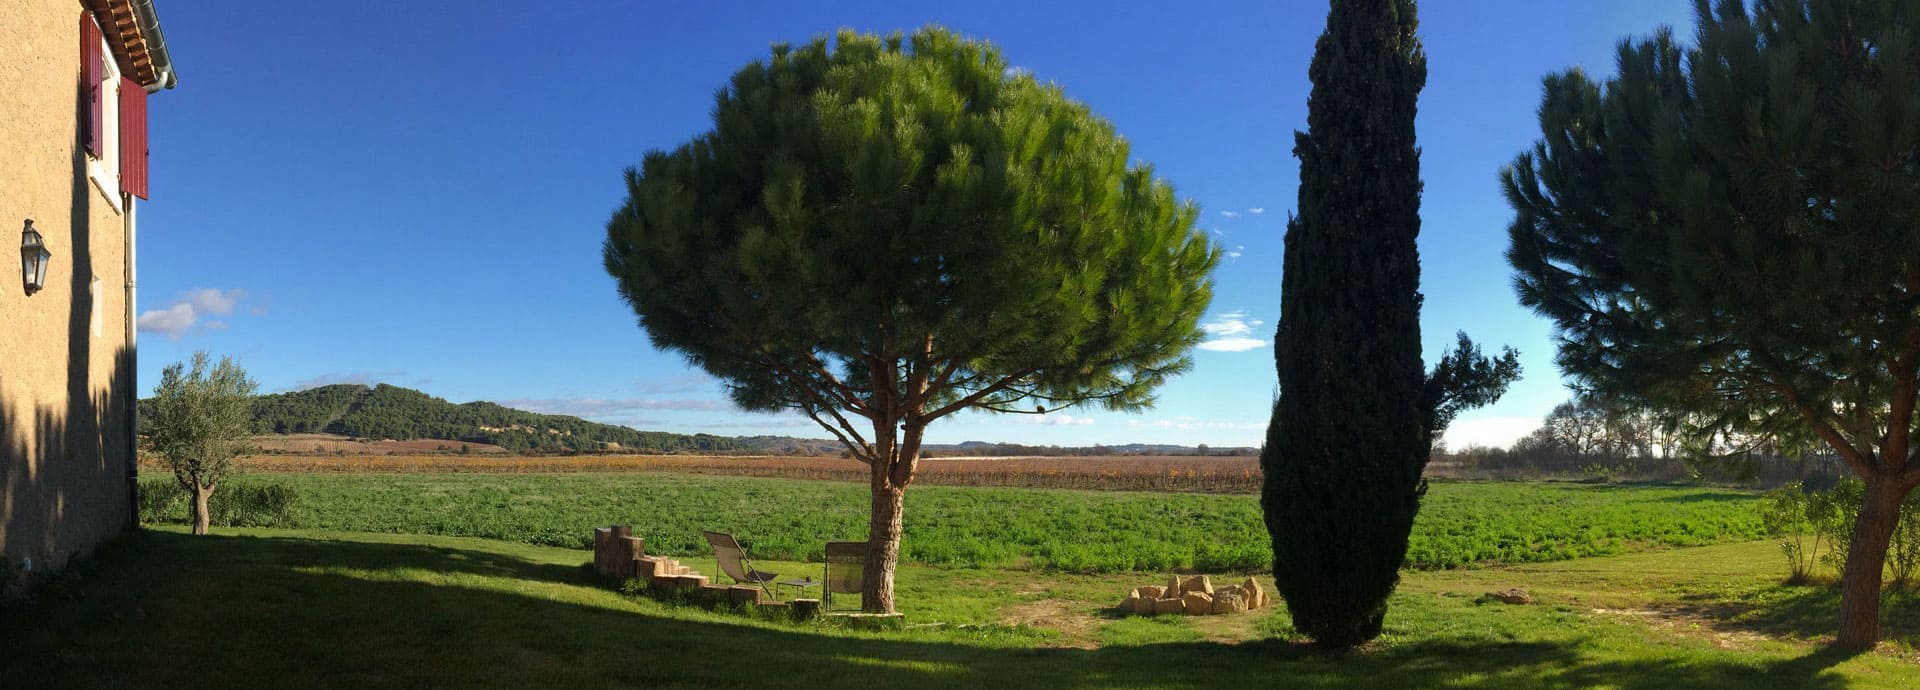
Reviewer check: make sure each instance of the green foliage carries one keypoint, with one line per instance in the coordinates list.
(1805, 519)
(393, 412)
(908, 209)
(241, 502)
(200, 419)
(1728, 230)
(1357, 413)
(1465, 524)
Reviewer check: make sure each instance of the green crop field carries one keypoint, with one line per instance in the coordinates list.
(1079, 531)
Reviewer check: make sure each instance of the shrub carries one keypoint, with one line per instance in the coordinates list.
(1816, 529)
(238, 503)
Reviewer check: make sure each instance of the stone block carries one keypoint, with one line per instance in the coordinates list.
(806, 609)
(1152, 591)
(1198, 603)
(1165, 606)
(745, 594)
(1197, 583)
(1172, 589)
(1256, 596)
(1229, 602)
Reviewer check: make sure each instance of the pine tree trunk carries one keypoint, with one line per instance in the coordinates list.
(1866, 558)
(200, 515)
(883, 547)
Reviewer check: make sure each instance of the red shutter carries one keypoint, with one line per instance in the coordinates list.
(133, 138)
(93, 71)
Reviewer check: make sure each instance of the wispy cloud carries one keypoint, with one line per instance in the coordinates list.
(1231, 332)
(1053, 420)
(1256, 210)
(687, 383)
(1237, 251)
(1230, 214)
(1191, 424)
(605, 408)
(179, 317)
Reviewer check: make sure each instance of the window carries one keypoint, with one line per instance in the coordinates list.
(101, 87)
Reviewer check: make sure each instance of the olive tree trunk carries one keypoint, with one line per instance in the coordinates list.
(200, 515)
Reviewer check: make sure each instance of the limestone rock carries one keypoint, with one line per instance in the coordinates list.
(1197, 583)
(1198, 603)
(1173, 587)
(1256, 597)
(1132, 603)
(1152, 591)
(1511, 596)
(1229, 602)
(1161, 606)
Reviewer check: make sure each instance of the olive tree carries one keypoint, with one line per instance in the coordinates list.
(882, 232)
(200, 418)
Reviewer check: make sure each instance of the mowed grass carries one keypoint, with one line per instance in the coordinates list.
(318, 609)
(1463, 523)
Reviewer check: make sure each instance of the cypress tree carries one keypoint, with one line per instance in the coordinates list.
(1356, 414)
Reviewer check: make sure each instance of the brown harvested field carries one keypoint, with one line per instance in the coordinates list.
(338, 445)
(1110, 473)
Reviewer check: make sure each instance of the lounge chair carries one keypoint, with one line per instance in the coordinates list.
(846, 568)
(735, 564)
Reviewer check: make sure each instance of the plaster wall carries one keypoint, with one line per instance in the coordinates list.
(66, 368)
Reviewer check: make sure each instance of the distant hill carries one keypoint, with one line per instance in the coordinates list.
(401, 414)
(393, 413)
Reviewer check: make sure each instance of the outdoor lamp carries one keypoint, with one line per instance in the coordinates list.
(34, 258)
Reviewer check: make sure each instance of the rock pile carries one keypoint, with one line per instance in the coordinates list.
(1196, 596)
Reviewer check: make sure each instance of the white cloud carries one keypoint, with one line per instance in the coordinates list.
(176, 319)
(1256, 210)
(212, 301)
(1238, 251)
(1232, 344)
(1230, 214)
(173, 321)
(1054, 420)
(1490, 432)
(1231, 332)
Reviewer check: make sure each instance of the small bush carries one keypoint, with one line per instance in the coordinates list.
(1815, 528)
(238, 502)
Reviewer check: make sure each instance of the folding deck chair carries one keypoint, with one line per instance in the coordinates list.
(735, 564)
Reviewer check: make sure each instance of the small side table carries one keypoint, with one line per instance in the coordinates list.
(801, 584)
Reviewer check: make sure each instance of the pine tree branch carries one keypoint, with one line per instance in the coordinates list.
(963, 403)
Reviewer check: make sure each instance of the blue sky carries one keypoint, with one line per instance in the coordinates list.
(417, 195)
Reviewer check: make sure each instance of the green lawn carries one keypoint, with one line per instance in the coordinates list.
(309, 608)
(1462, 523)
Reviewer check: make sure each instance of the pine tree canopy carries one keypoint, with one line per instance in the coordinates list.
(886, 231)
(895, 209)
(1732, 230)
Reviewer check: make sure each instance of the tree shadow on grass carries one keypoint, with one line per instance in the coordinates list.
(1804, 611)
(169, 610)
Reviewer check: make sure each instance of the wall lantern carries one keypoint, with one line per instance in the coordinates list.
(34, 258)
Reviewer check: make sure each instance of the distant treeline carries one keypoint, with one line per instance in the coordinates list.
(1592, 439)
(400, 414)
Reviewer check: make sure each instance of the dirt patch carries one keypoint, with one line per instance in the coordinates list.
(1723, 634)
(1078, 628)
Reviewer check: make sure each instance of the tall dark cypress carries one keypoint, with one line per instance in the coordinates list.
(1349, 436)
